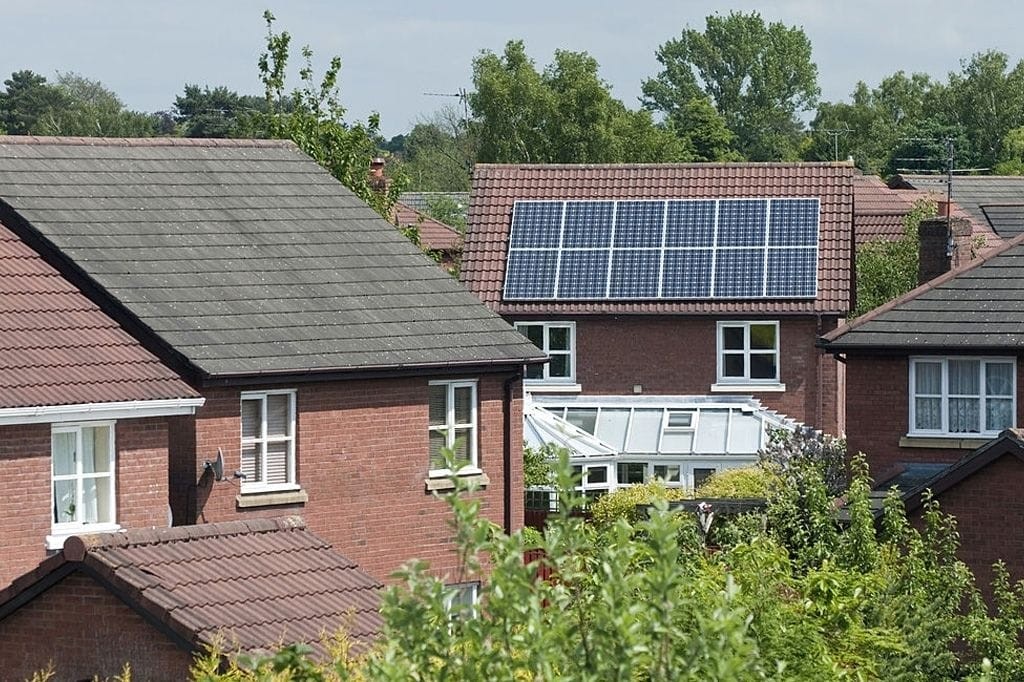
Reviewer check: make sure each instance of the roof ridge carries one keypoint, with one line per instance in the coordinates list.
(144, 141)
(76, 547)
(917, 291)
(691, 164)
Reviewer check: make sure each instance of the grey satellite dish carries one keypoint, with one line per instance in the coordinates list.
(217, 466)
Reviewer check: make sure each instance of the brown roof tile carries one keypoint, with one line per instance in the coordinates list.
(434, 234)
(58, 348)
(497, 187)
(257, 583)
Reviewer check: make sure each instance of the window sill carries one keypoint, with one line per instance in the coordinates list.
(444, 482)
(271, 498)
(548, 387)
(748, 388)
(944, 442)
(55, 541)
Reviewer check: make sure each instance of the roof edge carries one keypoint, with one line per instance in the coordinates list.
(828, 340)
(145, 141)
(695, 164)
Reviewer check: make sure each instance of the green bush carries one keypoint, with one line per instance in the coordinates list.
(622, 504)
(744, 482)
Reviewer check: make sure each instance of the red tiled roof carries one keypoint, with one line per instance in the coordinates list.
(434, 235)
(497, 187)
(257, 583)
(58, 348)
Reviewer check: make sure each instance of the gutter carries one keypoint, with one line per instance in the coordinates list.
(128, 409)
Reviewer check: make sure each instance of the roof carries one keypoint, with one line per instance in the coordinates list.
(879, 211)
(242, 258)
(434, 235)
(422, 201)
(59, 348)
(976, 307)
(259, 582)
(993, 200)
(497, 187)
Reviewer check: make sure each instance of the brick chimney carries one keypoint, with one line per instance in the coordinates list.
(377, 180)
(943, 245)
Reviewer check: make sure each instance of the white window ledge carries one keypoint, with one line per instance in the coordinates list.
(951, 442)
(748, 388)
(444, 481)
(547, 387)
(56, 540)
(270, 498)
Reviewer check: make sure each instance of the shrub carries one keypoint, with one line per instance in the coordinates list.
(623, 503)
(744, 482)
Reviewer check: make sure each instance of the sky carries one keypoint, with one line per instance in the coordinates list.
(394, 52)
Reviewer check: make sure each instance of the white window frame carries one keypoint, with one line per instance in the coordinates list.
(728, 383)
(944, 396)
(456, 603)
(451, 428)
(262, 441)
(61, 531)
(569, 381)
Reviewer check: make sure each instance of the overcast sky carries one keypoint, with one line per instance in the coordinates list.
(393, 52)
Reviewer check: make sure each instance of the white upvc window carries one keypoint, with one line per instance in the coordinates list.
(956, 396)
(748, 352)
(82, 475)
(268, 440)
(558, 340)
(453, 425)
(461, 600)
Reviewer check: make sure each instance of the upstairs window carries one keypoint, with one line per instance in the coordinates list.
(958, 396)
(558, 340)
(748, 352)
(268, 440)
(82, 477)
(453, 421)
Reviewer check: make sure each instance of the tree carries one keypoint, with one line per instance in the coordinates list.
(26, 101)
(90, 109)
(219, 112)
(758, 77)
(439, 152)
(1011, 160)
(564, 115)
(313, 118)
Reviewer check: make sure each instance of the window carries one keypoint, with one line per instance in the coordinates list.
(453, 422)
(558, 340)
(268, 440)
(952, 396)
(461, 600)
(594, 481)
(83, 478)
(748, 352)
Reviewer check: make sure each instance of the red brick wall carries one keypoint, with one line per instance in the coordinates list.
(361, 457)
(84, 630)
(878, 412)
(677, 355)
(988, 508)
(25, 520)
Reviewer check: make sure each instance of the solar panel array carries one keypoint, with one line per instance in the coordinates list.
(671, 249)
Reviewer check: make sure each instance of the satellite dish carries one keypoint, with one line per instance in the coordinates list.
(217, 466)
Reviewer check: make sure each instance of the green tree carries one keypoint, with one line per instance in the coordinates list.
(439, 152)
(313, 118)
(220, 112)
(90, 109)
(27, 100)
(758, 77)
(565, 114)
(1011, 161)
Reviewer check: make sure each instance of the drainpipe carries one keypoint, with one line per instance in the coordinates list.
(819, 408)
(506, 409)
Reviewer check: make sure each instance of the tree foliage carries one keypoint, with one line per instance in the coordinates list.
(439, 152)
(220, 112)
(565, 114)
(757, 76)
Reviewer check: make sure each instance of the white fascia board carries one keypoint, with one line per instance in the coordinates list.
(128, 409)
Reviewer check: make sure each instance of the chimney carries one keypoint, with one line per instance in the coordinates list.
(377, 180)
(944, 244)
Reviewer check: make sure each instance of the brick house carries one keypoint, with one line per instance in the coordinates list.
(674, 280)
(84, 415)
(154, 598)
(335, 360)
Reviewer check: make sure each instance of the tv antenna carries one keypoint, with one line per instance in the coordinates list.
(461, 95)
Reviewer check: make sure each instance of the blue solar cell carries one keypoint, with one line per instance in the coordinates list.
(531, 274)
(635, 273)
(739, 273)
(690, 223)
(792, 273)
(583, 274)
(536, 224)
(687, 274)
(639, 224)
(588, 224)
(742, 222)
(793, 222)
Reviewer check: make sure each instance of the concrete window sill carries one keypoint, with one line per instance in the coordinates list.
(271, 498)
(943, 442)
(438, 484)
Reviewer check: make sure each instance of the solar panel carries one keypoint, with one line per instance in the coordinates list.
(663, 249)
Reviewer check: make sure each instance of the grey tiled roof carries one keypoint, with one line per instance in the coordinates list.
(245, 256)
(994, 199)
(979, 307)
